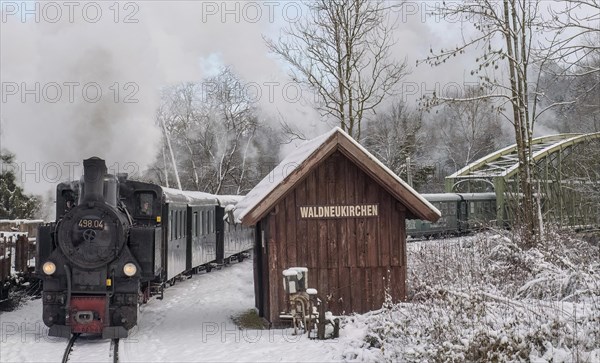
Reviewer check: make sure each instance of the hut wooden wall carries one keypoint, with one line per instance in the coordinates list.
(352, 261)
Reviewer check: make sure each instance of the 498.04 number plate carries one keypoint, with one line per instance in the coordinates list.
(91, 224)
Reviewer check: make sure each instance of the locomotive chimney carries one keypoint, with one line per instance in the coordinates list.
(94, 170)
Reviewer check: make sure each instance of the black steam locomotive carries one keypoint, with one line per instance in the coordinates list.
(116, 242)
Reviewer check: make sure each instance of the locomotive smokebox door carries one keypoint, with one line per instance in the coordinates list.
(295, 279)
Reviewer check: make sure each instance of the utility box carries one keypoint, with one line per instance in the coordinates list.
(295, 280)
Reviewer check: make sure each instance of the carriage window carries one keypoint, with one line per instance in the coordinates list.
(208, 218)
(202, 223)
(170, 225)
(194, 225)
(176, 224)
(211, 222)
(198, 216)
(184, 221)
(207, 222)
(180, 222)
(177, 228)
(472, 205)
(144, 205)
(199, 223)
(174, 229)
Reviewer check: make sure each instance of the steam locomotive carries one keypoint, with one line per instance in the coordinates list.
(116, 242)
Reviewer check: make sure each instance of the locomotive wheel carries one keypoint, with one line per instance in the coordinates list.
(172, 282)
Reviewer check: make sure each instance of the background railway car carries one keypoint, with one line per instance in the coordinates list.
(175, 236)
(481, 209)
(453, 213)
(202, 236)
(190, 242)
(461, 213)
(236, 239)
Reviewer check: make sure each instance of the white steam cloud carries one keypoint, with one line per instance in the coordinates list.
(83, 78)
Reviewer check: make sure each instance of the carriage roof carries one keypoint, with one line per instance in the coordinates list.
(198, 198)
(455, 197)
(189, 197)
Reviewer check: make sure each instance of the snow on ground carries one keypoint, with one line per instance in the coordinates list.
(192, 324)
(476, 298)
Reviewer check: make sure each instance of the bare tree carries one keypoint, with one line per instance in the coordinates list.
(582, 113)
(468, 130)
(504, 34)
(576, 35)
(342, 52)
(212, 125)
(572, 46)
(178, 116)
(230, 126)
(396, 137)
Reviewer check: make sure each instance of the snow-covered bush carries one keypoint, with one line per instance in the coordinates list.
(484, 298)
(560, 268)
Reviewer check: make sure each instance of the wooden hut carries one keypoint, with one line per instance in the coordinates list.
(332, 207)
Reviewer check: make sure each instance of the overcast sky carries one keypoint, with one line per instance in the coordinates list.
(83, 78)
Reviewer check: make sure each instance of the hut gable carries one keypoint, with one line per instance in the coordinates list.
(296, 166)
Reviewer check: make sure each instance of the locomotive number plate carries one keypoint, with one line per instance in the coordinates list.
(91, 224)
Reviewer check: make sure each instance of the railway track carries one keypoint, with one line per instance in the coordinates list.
(81, 349)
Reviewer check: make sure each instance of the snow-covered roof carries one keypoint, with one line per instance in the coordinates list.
(453, 197)
(441, 197)
(200, 198)
(225, 200)
(336, 137)
(189, 197)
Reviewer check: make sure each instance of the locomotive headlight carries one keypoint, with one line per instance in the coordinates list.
(49, 268)
(129, 269)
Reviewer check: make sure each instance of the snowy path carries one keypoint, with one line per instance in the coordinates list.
(192, 324)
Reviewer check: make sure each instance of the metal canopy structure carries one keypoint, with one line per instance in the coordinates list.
(566, 169)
